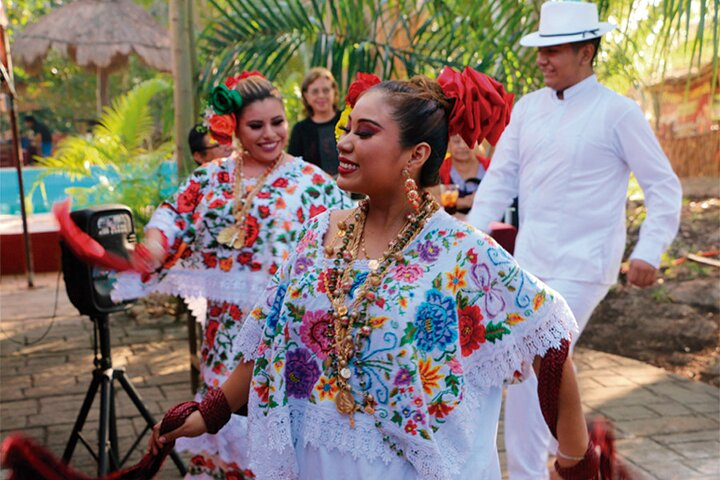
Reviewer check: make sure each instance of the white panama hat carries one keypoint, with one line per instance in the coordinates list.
(566, 22)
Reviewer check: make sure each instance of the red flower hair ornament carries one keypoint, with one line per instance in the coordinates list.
(363, 81)
(224, 102)
(482, 106)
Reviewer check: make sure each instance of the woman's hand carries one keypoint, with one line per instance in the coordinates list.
(193, 426)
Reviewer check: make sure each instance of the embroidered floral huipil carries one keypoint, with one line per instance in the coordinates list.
(452, 321)
(232, 280)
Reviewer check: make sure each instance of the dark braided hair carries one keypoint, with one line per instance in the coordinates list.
(421, 111)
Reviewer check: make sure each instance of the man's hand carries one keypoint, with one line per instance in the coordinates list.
(641, 274)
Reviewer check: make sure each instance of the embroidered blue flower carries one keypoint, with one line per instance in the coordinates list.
(274, 314)
(436, 321)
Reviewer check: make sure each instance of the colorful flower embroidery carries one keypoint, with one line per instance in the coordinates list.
(472, 331)
(436, 321)
(314, 332)
(456, 279)
(301, 373)
(429, 375)
(326, 388)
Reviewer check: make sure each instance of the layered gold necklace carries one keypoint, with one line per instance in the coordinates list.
(234, 235)
(351, 324)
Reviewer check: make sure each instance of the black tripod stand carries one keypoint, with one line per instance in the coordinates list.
(104, 376)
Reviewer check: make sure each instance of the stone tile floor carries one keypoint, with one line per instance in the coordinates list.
(667, 427)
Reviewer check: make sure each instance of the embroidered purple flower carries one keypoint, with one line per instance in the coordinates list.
(313, 332)
(494, 302)
(403, 377)
(436, 321)
(301, 265)
(301, 373)
(429, 251)
(419, 417)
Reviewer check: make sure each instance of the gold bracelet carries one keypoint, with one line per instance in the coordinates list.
(568, 457)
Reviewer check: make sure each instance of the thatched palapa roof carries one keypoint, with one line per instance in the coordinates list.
(95, 34)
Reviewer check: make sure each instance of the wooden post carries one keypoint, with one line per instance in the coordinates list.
(102, 90)
(183, 92)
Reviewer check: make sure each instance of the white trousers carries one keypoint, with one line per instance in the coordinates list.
(527, 437)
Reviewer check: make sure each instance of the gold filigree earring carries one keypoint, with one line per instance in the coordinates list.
(411, 190)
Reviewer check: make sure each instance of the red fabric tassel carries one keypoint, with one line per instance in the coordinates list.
(83, 245)
(27, 460)
(593, 467)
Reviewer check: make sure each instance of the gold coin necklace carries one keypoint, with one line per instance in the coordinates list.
(351, 325)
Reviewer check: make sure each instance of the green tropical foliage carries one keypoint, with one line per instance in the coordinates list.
(396, 38)
(122, 153)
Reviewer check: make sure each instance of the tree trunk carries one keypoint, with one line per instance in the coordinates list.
(102, 90)
(184, 92)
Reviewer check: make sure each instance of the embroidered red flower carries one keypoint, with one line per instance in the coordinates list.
(228, 194)
(472, 331)
(215, 311)
(264, 211)
(300, 215)
(210, 333)
(252, 231)
(263, 194)
(318, 179)
(316, 210)
(181, 224)
(255, 266)
(217, 203)
(273, 268)
(363, 82)
(280, 183)
(189, 198)
(209, 259)
(218, 368)
(198, 460)
(263, 391)
(245, 258)
(223, 177)
(235, 312)
(222, 128)
(439, 409)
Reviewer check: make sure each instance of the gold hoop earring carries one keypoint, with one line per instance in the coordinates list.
(411, 190)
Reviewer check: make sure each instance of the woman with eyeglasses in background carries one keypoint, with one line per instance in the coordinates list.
(313, 139)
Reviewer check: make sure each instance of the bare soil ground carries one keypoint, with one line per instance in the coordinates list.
(674, 324)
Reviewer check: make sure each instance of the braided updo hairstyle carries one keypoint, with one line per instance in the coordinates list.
(421, 111)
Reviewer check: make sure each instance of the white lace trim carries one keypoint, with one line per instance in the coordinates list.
(556, 324)
(247, 341)
(273, 456)
(241, 289)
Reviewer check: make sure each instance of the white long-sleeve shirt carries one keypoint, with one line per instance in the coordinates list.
(569, 162)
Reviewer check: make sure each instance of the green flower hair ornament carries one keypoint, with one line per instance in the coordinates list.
(225, 101)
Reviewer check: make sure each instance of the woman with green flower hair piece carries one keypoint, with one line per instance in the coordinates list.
(225, 233)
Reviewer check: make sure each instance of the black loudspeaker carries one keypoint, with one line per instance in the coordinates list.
(88, 287)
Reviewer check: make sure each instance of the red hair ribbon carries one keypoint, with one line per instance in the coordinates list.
(230, 82)
(482, 106)
(362, 82)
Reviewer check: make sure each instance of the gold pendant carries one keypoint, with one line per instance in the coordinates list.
(344, 402)
(228, 235)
